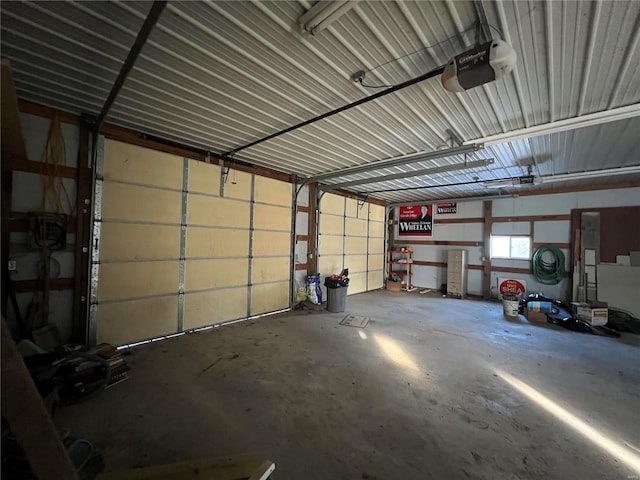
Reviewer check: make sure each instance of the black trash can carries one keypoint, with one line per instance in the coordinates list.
(336, 293)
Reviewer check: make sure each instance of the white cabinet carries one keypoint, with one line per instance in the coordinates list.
(457, 273)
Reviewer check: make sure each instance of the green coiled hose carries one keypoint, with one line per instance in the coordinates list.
(548, 273)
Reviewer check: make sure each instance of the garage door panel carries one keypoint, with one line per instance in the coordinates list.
(376, 213)
(218, 273)
(269, 297)
(374, 279)
(331, 224)
(217, 242)
(215, 306)
(130, 163)
(356, 227)
(331, 203)
(142, 204)
(355, 245)
(351, 209)
(268, 190)
(271, 243)
(331, 244)
(355, 263)
(376, 262)
(217, 212)
(204, 178)
(238, 185)
(357, 283)
(270, 269)
(330, 264)
(120, 281)
(128, 241)
(376, 230)
(267, 217)
(376, 245)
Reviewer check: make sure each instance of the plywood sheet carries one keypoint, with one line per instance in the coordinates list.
(217, 212)
(267, 217)
(238, 185)
(330, 203)
(218, 273)
(357, 283)
(134, 320)
(356, 227)
(217, 242)
(330, 245)
(374, 279)
(331, 224)
(376, 213)
(214, 306)
(376, 245)
(119, 281)
(355, 245)
(143, 204)
(204, 178)
(355, 263)
(270, 269)
(268, 190)
(376, 262)
(271, 243)
(129, 241)
(376, 230)
(329, 264)
(131, 163)
(269, 297)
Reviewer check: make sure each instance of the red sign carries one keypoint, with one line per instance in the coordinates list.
(416, 221)
(447, 208)
(511, 286)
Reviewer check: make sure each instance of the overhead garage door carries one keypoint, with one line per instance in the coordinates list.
(351, 235)
(177, 247)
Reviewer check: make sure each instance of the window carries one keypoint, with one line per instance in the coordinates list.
(506, 246)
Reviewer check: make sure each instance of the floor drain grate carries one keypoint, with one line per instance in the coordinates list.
(355, 321)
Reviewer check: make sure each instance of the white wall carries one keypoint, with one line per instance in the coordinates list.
(26, 197)
(543, 232)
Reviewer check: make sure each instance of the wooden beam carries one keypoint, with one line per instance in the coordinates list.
(25, 411)
(302, 238)
(458, 220)
(25, 286)
(562, 245)
(455, 243)
(301, 266)
(302, 209)
(312, 229)
(487, 209)
(523, 271)
(18, 222)
(532, 218)
(31, 166)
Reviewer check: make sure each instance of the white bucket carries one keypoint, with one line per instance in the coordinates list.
(510, 307)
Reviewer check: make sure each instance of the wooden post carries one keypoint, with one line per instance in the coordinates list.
(312, 231)
(487, 208)
(28, 418)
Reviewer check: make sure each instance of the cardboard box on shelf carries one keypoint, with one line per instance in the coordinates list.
(591, 314)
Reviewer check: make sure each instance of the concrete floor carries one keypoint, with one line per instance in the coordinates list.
(426, 394)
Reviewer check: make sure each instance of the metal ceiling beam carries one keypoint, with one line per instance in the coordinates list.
(415, 173)
(457, 200)
(394, 162)
(136, 48)
(433, 73)
(583, 121)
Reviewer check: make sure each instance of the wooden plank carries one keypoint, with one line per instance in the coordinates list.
(30, 166)
(532, 218)
(24, 286)
(302, 238)
(301, 266)
(523, 271)
(561, 245)
(302, 209)
(456, 243)
(458, 220)
(215, 306)
(312, 230)
(25, 411)
(487, 209)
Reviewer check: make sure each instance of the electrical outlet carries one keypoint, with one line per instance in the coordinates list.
(13, 265)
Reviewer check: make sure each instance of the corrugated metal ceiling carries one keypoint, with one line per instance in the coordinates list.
(218, 75)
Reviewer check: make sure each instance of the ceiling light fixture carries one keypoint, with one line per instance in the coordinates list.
(565, 177)
(323, 14)
(512, 182)
(397, 161)
(413, 173)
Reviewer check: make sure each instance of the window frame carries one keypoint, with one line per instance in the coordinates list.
(510, 237)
